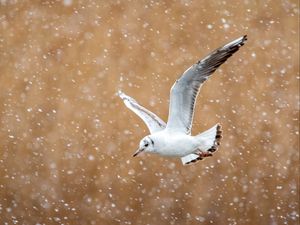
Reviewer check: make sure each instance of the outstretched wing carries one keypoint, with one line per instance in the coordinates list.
(185, 90)
(153, 122)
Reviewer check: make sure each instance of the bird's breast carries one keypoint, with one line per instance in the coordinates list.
(175, 144)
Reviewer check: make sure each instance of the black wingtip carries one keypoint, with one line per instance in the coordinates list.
(241, 41)
(244, 39)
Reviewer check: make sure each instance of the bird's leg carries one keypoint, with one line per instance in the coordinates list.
(203, 154)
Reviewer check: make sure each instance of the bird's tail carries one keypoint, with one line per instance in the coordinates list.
(211, 138)
(210, 141)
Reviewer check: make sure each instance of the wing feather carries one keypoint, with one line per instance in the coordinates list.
(153, 122)
(185, 90)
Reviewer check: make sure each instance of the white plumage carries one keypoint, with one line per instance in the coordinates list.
(174, 138)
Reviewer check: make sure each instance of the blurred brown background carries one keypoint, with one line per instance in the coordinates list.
(67, 139)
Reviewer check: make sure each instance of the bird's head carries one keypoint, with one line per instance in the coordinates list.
(146, 144)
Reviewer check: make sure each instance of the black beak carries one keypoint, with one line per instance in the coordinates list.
(138, 152)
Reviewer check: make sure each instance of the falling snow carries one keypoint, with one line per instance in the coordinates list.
(67, 139)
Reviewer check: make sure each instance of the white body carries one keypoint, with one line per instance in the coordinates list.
(169, 143)
(173, 138)
(178, 144)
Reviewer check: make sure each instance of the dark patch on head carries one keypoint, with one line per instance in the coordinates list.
(152, 142)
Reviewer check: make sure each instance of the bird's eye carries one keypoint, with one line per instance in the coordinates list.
(146, 145)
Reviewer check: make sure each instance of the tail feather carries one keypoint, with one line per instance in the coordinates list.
(191, 158)
(217, 139)
(211, 141)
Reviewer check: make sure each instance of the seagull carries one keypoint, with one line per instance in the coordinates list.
(174, 138)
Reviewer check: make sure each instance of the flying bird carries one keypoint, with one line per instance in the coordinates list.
(174, 138)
